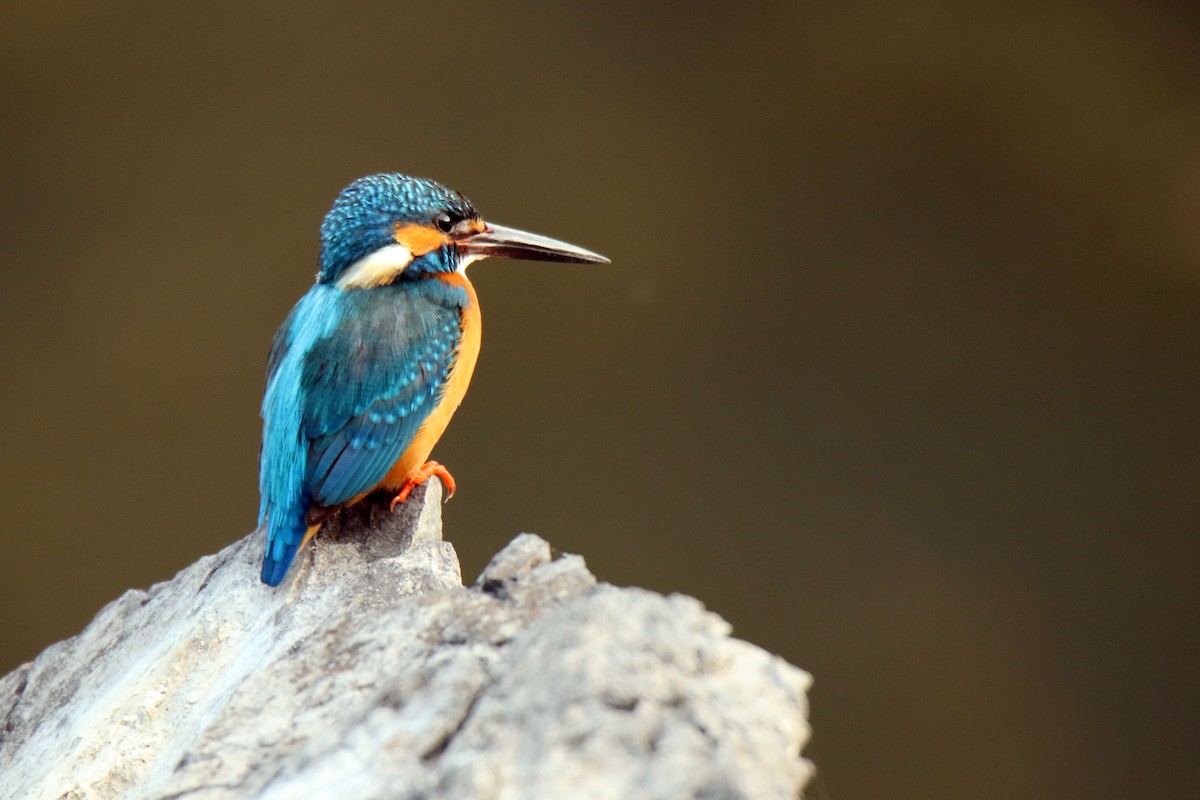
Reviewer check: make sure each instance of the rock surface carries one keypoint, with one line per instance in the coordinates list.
(372, 673)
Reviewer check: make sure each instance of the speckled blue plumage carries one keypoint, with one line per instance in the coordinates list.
(353, 373)
(360, 221)
(356, 373)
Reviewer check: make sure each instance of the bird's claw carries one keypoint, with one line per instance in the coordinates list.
(427, 471)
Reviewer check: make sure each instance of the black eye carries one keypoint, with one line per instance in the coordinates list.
(444, 222)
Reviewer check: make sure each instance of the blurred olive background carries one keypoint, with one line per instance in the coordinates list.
(896, 366)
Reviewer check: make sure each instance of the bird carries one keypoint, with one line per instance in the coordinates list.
(367, 369)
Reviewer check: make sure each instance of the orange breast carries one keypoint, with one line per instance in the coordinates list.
(456, 388)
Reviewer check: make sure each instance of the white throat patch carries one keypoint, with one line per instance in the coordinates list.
(468, 260)
(377, 269)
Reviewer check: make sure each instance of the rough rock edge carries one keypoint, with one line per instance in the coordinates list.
(373, 673)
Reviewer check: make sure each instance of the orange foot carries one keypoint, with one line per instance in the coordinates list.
(427, 471)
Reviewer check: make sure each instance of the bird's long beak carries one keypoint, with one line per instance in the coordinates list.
(502, 242)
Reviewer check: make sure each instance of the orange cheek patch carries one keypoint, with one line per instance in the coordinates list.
(419, 239)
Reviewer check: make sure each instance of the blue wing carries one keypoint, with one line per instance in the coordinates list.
(356, 437)
(354, 374)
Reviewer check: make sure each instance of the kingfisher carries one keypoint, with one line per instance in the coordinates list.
(369, 366)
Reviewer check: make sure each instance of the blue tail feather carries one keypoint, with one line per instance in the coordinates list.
(283, 540)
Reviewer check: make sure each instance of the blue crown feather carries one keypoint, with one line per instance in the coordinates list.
(365, 213)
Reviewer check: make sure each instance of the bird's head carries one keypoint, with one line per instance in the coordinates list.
(389, 227)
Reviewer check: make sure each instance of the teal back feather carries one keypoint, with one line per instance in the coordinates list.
(354, 374)
(283, 460)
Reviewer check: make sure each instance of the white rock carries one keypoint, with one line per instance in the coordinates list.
(373, 673)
